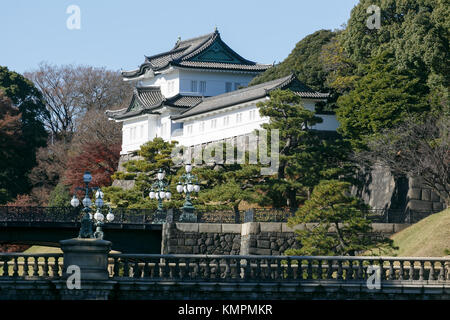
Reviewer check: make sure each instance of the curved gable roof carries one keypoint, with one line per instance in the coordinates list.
(205, 52)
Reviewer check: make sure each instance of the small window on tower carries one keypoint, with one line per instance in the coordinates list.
(202, 87)
(193, 85)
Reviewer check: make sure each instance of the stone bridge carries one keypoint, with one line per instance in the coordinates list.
(219, 277)
(135, 231)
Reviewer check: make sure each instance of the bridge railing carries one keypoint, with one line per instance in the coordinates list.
(275, 268)
(149, 216)
(31, 266)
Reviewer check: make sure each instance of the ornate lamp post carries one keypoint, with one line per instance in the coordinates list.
(188, 184)
(87, 223)
(160, 190)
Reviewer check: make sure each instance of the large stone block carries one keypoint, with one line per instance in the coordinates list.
(250, 228)
(387, 228)
(415, 193)
(435, 197)
(210, 227)
(419, 205)
(262, 252)
(438, 206)
(187, 227)
(270, 226)
(263, 244)
(286, 228)
(231, 228)
(400, 226)
(426, 194)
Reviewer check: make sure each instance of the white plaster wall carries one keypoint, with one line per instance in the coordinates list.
(215, 81)
(247, 125)
(163, 80)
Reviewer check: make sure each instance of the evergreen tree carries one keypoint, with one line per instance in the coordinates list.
(306, 155)
(416, 31)
(381, 98)
(28, 100)
(335, 223)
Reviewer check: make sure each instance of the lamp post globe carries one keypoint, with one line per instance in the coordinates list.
(87, 222)
(74, 202)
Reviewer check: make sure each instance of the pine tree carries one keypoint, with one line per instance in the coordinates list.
(335, 223)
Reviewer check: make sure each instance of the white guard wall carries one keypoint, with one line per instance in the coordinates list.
(235, 121)
(168, 81)
(215, 81)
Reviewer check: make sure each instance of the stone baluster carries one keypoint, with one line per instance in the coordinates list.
(126, 268)
(35, 267)
(45, 267)
(329, 269)
(137, 270)
(15, 268)
(25, 266)
(309, 271)
(401, 270)
(227, 269)
(146, 271)
(442, 271)
(382, 271)
(247, 269)
(289, 272)
(116, 267)
(258, 269)
(279, 270)
(185, 273)
(207, 270)
(269, 269)
(360, 271)
(176, 270)
(217, 272)
(156, 271)
(391, 270)
(421, 271)
(238, 269)
(349, 275)
(339, 272)
(431, 276)
(5, 268)
(411, 270)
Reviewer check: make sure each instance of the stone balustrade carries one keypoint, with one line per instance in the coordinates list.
(31, 266)
(237, 268)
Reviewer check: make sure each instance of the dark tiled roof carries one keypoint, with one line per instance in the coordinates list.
(183, 101)
(148, 99)
(251, 93)
(188, 53)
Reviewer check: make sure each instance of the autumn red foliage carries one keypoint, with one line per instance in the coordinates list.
(100, 159)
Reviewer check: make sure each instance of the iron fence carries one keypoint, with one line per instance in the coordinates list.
(149, 216)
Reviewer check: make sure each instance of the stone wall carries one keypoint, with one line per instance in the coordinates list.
(381, 190)
(201, 238)
(251, 238)
(422, 198)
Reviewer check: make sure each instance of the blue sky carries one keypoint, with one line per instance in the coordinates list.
(117, 34)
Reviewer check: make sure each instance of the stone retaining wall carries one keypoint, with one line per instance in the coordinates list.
(251, 238)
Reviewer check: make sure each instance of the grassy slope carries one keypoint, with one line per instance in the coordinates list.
(427, 238)
(42, 249)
